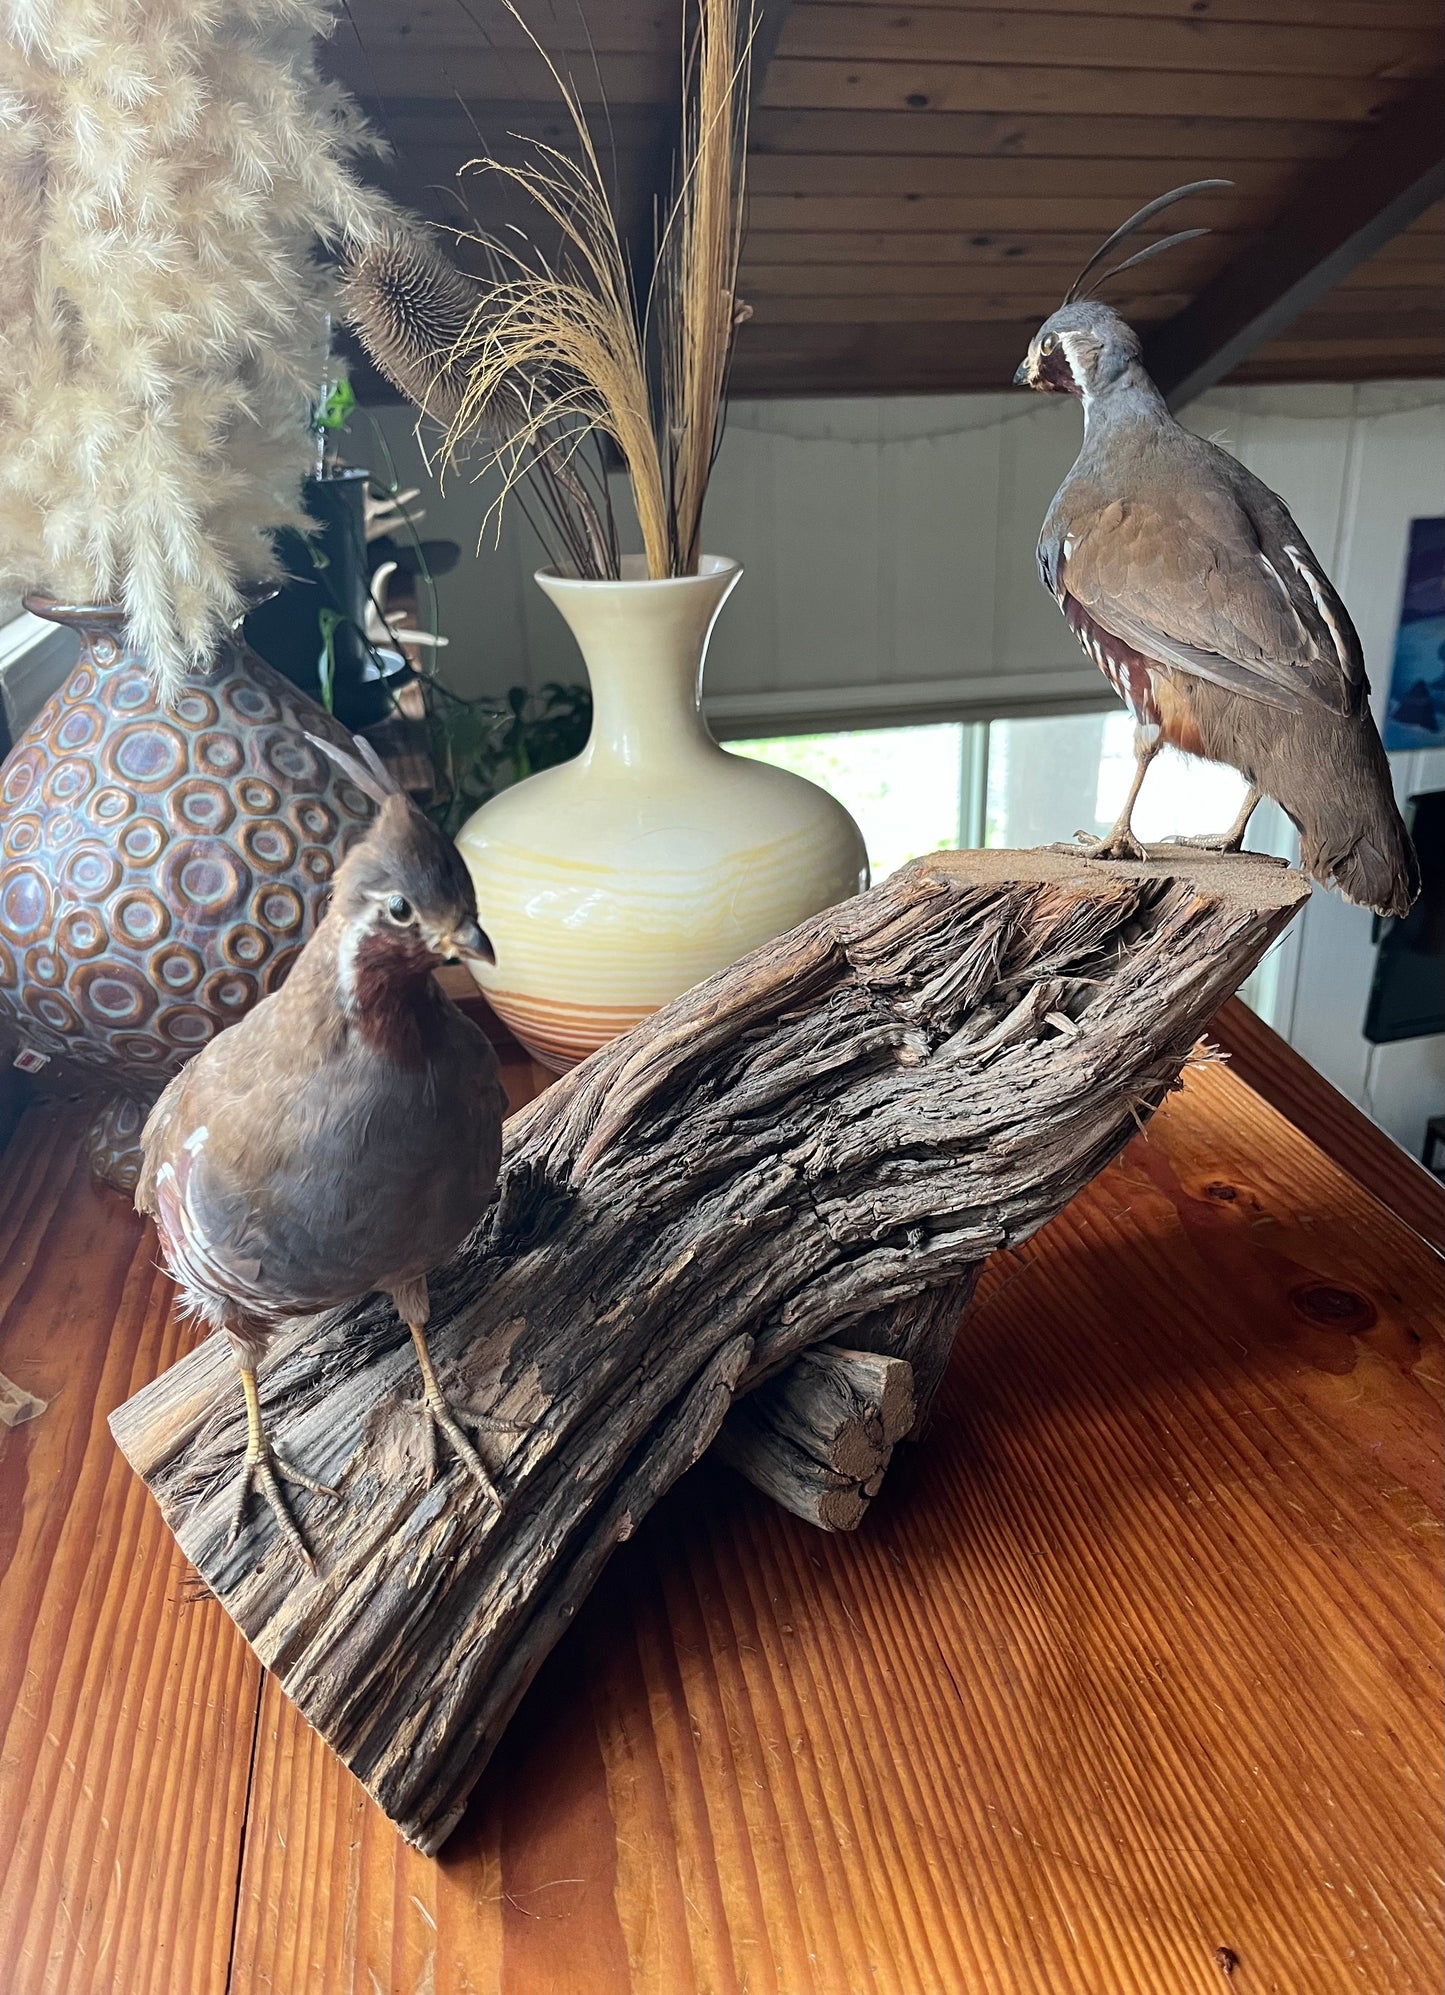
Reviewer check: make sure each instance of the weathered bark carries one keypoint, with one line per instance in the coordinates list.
(821, 1143)
(818, 1438)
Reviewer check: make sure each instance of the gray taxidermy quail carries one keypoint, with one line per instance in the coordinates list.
(344, 1136)
(1189, 584)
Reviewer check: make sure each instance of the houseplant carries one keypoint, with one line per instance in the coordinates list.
(611, 884)
(165, 175)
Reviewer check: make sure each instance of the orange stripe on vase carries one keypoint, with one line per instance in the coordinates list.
(559, 1035)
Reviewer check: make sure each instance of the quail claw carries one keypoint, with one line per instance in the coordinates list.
(1210, 841)
(438, 1416)
(263, 1469)
(488, 1423)
(1119, 844)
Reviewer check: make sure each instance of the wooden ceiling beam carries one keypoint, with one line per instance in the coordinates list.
(973, 214)
(926, 132)
(1021, 35)
(1025, 89)
(1417, 14)
(1345, 212)
(910, 308)
(911, 175)
(877, 359)
(1018, 248)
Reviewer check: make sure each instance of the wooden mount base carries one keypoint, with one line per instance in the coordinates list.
(818, 1146)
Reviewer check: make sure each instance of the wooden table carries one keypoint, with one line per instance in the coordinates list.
(1130, 1683)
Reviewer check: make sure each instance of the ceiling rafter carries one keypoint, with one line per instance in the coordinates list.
(1348, 209)
(925, 180)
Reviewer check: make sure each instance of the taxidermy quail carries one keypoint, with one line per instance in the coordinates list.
(345, 1135)
(1189, 584)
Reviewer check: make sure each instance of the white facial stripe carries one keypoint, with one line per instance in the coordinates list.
(1070, 343)
(346, 965)
(1321, 604)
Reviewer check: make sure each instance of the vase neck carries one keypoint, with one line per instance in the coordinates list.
(644, 644)
(646, 702)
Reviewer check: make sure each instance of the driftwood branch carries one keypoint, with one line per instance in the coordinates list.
(818, 1438)
(819, 1145)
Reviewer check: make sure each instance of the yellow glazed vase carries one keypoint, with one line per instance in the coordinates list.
(615, 882)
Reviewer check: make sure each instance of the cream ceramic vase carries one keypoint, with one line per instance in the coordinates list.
(615, 882)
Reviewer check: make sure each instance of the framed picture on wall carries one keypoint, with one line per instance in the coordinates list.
(1407, 993)
(1415, 709)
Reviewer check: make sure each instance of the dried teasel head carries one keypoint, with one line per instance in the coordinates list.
(414, 312)
(441, 338)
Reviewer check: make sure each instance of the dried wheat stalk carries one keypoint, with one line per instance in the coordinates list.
(695, 286)
(554, 348)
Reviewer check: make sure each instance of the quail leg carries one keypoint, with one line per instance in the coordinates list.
(263, 1466)
(1120, 843)
(1225, 841)
(411, 1303)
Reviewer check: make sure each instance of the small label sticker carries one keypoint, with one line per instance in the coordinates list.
(17, 1405)
(29, 1061)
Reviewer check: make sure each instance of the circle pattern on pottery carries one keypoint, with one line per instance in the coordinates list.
(161, 867)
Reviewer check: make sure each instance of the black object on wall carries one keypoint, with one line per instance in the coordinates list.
(324, 603)
(1407, 994)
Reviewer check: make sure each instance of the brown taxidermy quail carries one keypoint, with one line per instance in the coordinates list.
(344, 1136)
(1189, 584)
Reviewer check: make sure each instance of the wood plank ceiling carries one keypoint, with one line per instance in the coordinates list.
(926, 179)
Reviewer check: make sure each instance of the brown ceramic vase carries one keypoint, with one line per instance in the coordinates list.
(160, 866)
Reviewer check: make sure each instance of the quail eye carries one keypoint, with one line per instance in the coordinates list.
(1048, 343)
(399, 908)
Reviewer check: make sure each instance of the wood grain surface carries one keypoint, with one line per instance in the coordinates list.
(1136, 1660)
(1374, 1160)
(126, 1715)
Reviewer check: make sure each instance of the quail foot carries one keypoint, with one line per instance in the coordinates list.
(1189, 584)
(343, 1137)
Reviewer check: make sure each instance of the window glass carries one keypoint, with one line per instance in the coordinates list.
(911, 789)
(902, 784)
(1051, 777)
(1043, 777)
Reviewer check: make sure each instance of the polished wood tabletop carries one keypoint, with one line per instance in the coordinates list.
(1130, 1684)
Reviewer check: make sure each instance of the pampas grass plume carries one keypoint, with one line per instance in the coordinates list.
(166, 171)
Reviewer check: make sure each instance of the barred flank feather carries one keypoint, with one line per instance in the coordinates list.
(165, 172)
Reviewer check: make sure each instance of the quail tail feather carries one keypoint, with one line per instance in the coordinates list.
(1352, 836)
(1374, 864)
(1329, 772)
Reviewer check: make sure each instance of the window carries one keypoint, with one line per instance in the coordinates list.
(903, 785)
(1004, 782)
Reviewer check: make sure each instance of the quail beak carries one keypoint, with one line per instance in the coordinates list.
(469, 941)
(1023, 373)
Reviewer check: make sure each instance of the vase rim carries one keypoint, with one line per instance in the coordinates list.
(41, 605)
(710, 568)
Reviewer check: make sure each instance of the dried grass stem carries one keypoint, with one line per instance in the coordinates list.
(553, 349)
